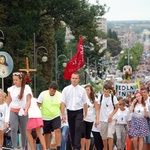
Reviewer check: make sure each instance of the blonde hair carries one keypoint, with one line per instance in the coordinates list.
(3, 96)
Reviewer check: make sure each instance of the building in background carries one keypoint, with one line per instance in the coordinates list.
(102, 24)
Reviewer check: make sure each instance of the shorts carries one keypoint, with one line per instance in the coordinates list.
(51, 125)
(107, 129)
(147, 139)
(34, 123)
(86, 129)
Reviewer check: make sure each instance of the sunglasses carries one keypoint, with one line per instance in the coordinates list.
(17, 74)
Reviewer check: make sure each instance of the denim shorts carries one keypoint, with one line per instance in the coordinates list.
(147, 138)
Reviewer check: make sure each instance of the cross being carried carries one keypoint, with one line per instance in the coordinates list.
(27, 70)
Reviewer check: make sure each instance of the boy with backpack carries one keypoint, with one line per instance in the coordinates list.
(108, 107)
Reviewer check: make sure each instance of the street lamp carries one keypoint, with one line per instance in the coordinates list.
(44, 59)
(128, 56)
(2, 37)
(92, 71)
(1, 46)
(64, 64)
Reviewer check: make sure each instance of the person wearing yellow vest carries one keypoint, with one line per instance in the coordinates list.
(49, 102)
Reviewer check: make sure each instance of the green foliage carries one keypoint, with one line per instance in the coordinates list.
(20, 19)
(112, 35)
(78, 15)
(98, 87)
(136, 53)
(101, 34)
(113, 43)
(113, 46)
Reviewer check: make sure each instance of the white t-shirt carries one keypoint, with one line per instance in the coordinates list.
(91, 112)
(74, 97)
(34, 111)
(148, 100)
(96, 128)
(4, 112)
(14, 93)
(148, 105)
(138, 111)
(106, 107)
(122, 117)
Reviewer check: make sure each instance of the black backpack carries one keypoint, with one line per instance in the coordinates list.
(7, 139)
(112, 99)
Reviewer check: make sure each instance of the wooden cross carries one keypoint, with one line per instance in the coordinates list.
(27, 70)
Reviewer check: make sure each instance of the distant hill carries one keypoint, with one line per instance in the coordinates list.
(135, 25)
(129, 21)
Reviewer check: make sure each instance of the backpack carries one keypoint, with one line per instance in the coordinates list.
(7, 139)
(112, 99)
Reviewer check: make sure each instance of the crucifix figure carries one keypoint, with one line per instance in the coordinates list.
(27, 70)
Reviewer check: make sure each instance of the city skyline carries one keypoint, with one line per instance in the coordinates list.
(126, 9)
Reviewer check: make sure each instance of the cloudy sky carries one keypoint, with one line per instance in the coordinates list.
(126, 9)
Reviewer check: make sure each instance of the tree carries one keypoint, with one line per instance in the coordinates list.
(20, 19)
(79, 16)
(113, 46)
(136, 53)
(113, 43)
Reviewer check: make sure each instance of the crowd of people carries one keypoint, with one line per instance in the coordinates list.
(74, 115)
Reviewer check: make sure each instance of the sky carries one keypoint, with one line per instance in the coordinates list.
(126, 9)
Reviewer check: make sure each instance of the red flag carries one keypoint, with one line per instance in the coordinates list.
(76, 62)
